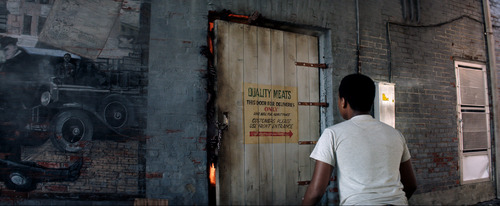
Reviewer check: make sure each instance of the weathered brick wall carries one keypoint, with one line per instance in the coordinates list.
(109, 168)
(176, 155)
(423, 68)
(495, 21)
(419, 61)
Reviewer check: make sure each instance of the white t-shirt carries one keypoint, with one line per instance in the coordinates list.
(367, 154)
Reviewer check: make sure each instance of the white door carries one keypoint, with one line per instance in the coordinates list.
(273, 119)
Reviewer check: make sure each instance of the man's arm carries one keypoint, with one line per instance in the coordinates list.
(319, 182)
(408, 178)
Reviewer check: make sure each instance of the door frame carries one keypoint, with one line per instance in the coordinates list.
(216, 122)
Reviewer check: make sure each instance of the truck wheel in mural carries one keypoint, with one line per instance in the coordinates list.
(72, 130)
(116, 111)
(24, 176)
(19, 181)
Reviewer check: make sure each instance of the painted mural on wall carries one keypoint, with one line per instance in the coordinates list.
(73, 80)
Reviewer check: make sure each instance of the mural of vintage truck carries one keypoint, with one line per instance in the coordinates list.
(68, 99)
(72, 82)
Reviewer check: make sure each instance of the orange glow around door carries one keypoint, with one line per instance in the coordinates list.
(212, 174)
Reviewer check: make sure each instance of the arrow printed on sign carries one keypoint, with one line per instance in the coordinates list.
(271, 134)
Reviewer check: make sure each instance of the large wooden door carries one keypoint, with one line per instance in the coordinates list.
(264, 157)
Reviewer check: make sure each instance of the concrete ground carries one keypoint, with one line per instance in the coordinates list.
(495, 201)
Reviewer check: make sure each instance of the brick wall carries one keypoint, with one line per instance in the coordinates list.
(176, 155)
(172, 163)
(423, 68)
(109, 167)
(419, 60)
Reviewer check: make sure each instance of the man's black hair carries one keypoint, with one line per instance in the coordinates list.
(359, 91)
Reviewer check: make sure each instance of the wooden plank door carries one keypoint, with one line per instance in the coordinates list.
(264, 157)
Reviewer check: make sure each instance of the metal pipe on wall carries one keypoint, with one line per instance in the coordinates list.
(417, 11)
(490, 43)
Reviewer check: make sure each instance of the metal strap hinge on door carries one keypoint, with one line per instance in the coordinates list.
(319, 104)
(307, 142)
(303, 182)
(305, 64)
(313, 65)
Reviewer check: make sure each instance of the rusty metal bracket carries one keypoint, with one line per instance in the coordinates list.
(303, 182)
(319, 104)
(305, 64)
(307, 142)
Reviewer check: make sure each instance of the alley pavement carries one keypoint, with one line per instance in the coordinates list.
(495, 201)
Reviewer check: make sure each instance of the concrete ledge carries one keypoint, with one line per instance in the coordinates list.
(468, 194)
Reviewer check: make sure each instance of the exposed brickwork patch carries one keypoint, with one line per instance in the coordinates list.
(154, 175)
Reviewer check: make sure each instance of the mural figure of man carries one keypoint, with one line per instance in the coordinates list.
(13, 68)
(372, 158)
(18, 70)
(17, 60)
(66, 70)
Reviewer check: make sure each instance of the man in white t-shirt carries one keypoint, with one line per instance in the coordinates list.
(372, 159)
